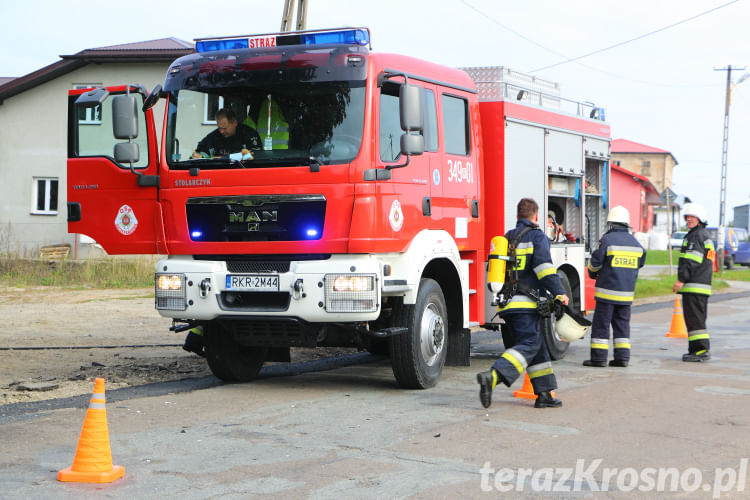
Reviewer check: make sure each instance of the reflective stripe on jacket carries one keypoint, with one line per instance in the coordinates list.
(694, 268)
(615, 266)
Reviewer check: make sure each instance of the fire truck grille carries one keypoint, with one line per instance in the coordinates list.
(256, 218)
(245, 266)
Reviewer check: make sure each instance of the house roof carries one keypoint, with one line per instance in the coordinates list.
(625, 146)
(6, 79)
(161, 50)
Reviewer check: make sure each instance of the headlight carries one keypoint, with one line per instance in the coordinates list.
(170, 292)
(351, 293)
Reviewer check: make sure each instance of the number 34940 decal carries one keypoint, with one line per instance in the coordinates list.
(460, 172)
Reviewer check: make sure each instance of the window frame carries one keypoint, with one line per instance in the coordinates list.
(211, 120)
(47, 210)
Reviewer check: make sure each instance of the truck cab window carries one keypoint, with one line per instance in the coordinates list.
(390, 123)
(430, 121)
(456, 125)
(99, 141)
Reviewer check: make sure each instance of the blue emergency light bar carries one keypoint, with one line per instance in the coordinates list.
(342, 36)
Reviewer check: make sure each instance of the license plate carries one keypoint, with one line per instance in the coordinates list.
(254, 283)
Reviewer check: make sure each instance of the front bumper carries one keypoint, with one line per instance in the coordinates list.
(337, 289)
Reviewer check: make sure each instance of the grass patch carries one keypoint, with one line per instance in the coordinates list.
(661, 257)
(114, 272)
(734, 275)
(662, 285)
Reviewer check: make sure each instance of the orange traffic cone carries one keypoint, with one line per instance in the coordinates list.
(677, 329)
(93, 459)
(527, 390)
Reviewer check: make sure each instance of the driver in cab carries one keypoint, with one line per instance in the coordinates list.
(229, 137)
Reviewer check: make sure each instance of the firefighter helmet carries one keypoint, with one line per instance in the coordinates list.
(696, 210)
(571, 326)
(619, 214)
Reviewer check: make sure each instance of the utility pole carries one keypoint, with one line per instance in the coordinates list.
(724, 149)
(286, 17)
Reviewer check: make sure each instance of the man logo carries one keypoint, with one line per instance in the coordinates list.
(254, 218)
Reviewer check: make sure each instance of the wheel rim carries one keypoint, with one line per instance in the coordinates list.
(431, 334)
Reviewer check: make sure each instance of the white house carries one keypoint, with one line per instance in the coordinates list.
(33, 136)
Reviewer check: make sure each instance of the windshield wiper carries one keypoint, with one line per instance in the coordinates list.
(195, 164)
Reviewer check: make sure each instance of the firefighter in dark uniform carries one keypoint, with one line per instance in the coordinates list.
(615, 266)
(694, 281)
(535, 271)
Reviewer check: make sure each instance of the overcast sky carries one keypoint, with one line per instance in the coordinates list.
(660, 90)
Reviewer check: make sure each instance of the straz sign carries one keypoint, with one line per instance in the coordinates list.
(261, 42)
(253, 218)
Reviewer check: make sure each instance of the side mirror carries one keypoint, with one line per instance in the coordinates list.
(127, 152)
(125, 117)
(152, 98)
(412, 144)
(410, 106)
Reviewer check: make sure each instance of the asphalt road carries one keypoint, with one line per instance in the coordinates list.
(345, 430)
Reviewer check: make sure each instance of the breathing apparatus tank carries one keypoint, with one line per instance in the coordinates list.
(497, 262)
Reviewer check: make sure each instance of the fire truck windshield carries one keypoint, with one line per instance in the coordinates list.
(304, 108)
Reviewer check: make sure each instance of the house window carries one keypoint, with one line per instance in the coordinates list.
(44, 196)
(645, 167)
(89, 116)
(616, 162)
(211, 104)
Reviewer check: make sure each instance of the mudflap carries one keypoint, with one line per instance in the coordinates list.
(459, 348)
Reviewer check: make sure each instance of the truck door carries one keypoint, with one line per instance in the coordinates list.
(107, 200)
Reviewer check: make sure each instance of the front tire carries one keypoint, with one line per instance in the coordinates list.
(555, 345)
(229, 360)
(418, 356)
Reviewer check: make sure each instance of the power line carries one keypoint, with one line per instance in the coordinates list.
(614, 75)
(618, 44)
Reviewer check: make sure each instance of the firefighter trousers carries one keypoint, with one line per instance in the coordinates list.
(695, 307)
(617, 315)
(529, 353)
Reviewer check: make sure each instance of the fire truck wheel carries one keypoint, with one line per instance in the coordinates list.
(418, 356)
(229, 360)
(556, 346)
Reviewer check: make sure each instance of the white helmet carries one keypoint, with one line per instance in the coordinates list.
(696, 210)
(571, 326)
(619, 214)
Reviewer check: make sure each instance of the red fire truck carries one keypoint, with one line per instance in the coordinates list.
(364, 216)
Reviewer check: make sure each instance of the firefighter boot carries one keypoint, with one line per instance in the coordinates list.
(597, 364)
(545, 400)
(487, 382)
(696, 357)
(194, 343)
(618, 362)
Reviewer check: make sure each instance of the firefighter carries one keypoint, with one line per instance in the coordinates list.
(694, 281)
(535, 271)
(615, 266)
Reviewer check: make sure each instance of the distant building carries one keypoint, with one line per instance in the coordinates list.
(742, 217)
(33, 136)
(653, 163)
(637, 194)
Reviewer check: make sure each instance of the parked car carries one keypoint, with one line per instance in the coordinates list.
(675, 241)
(736, 245)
